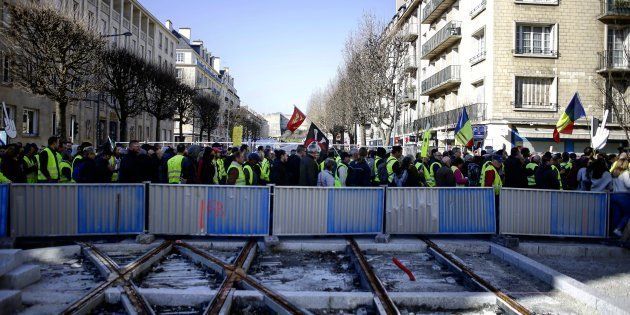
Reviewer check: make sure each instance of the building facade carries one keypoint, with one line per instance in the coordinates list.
(37, 118)
(277, 124)
(198, 68)
(513, 64)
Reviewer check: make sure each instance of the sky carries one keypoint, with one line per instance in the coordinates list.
(278, 51)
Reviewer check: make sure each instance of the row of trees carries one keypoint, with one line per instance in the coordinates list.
(63, 58)
(368, 84)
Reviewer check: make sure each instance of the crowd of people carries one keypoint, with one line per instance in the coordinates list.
(63, 162)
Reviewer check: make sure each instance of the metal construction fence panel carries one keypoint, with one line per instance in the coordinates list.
(72, 209)
(4, 209)
(327, 211)
(440, 211)
(553, 213)
(209, 210)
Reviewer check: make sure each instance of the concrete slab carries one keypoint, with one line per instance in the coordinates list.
(462, 245)
(315, 245)
(10, 300)
(20, 277)
(10, 259)
(51, 255)
(572, 250)
(444, 300)
(561, 282)
(398, 244)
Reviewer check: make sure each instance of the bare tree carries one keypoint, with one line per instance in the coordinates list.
(160, 88)
(614, 88)
(206, 110)
(53, 54)
(251, 125)
(184, 96)
(122, 76)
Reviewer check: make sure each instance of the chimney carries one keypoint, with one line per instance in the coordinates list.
(197, 42)
(169, 25)
(216, 63)
(186, 32)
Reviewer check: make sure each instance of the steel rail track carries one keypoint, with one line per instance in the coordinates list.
(507, 302)
(223, 293)
(385, 301)
(276, 298)
(92, 298)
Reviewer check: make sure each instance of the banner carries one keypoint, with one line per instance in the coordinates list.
(316, 135)
(296, 120)
(237, 136)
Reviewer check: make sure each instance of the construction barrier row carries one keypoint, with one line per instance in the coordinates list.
(82, 209)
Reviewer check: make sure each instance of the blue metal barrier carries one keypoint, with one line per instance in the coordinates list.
(327, 211)
(4, 209)
(553, 213)
(440, 211)
(209, 210)
(73, 209)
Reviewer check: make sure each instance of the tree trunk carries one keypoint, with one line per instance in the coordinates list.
(363, 135)
(63, 106)
(181, 129)
(123, 128)
(157, 129)
(201, 134)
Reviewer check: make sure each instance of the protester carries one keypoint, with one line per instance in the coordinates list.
(444, 177)
(325, 178)
(309, 169)
(87, 170)
(514, 170)
(361, 173)
(460, 179)
(342, 170)
(546, 177)
(279, 169)
(206, 168)
(620, 199)
(252, 170)
(601, 180)
(235, 173)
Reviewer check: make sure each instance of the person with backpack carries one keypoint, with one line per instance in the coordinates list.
(474, 171)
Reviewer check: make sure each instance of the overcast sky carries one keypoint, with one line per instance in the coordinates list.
(279, 51)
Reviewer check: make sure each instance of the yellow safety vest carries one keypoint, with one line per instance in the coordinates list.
(455, 168)
(337, 179)
(250, 170)
(390, 168)
(3, 179)
(31, 178)
(531, 180)
(221, 168)
(497, 183)
(215, 178)
(64, 165)
(174, 165)
(240, 180)
(555, 169)
(566, 165)
(375, 169)
(429, 175)
(265, 169)
(321, 165)
(52, 166)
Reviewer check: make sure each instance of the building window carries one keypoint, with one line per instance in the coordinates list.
(537, 40)
(140, 133)
(10, 113)
(172, 49)
(75, 9)
(159, 60)
(133, 45)
(90, 17)
(103, 27)
(5, 65)
(148, 132)
(29, 122)
(160, 41)
(149, 55)
(180, 57)
(142, 51)
(479, 54)
(178, 73)
(535, 93)
(617, 47)
(74, 128)
(115, 38)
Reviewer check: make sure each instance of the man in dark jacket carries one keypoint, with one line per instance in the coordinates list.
(279, 169)
(293, 165)
(103, 169)
(308, 166)
(445, 177)
(514, 170)
(546, 177)
(361, 174)
(130, 165)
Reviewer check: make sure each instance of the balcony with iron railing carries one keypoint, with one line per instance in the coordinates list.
(410, 32)
(613, 61)
(125, 23)
(442, 80)
(535, 52)
(478, 57)
(478, 9)
(476, 114)
(411, 63)
(410, 96)
(538, 2)
(434, 9)
(614, 10)
(440, 41)
(535, 106)
(104, 8)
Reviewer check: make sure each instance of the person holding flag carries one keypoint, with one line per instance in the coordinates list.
(295, 122)
(565, 124)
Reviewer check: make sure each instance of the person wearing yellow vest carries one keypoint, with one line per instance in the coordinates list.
(175, 166)
(265, 168)
(65, 169)
(434, 165)
(252, 170)
(342, 172)
(530, 171)
(490, 174)
(393, 163)
(235, 174)
(48, 163)
(30, 163)
(559, 171)
(378, 159)
(546, 175)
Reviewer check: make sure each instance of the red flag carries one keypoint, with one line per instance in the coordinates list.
(296, 120)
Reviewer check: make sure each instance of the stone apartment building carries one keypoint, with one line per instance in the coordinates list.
(513, 64)
(36, 117)
(197, 67)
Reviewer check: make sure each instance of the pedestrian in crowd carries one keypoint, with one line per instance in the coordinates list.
(342, 171)
(87, 170)
(546, 176)
(163, 164)
(414, 178)
(514, 170)
(279, 170)
(293, 165)
(460, 179)
(206, 168)
(379, 158)
(252, 169)
(325, 178)
(583, 174)
(361, 174)
(309, 169)
(474, 171)
(490, 176)
(30, 165)
(433, 165)
(620, 199)
(601, 180)
(235, 173)
(530, 171)
(265, 165)
(130, 168)
(392, 164)
(444, 177)
(48, 162)
(104, 169)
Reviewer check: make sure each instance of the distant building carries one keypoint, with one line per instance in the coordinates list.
(277, 124)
